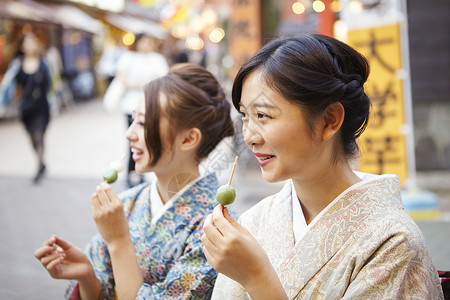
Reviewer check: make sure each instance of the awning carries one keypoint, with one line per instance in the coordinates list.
(136, 26)
(21, 11)
(65, 15)
(72, 17)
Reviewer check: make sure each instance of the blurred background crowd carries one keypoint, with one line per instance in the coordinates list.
(83, 40)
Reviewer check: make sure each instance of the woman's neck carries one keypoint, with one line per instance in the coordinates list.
(30, 63)
(316, 192)
(170, 184)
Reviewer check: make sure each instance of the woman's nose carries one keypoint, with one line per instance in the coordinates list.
(130, 134)
(251, 135)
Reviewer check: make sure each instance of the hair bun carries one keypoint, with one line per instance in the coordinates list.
(219, 97)
(354, 89)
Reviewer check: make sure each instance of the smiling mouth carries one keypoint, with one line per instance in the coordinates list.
(136, 154)
(135, 150)
(263, 158)
(264, 162)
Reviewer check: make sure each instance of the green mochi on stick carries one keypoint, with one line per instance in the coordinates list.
(110, 175)
(225, 194)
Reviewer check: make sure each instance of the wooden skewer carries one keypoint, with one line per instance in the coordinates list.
(232, 172)
(118, 164)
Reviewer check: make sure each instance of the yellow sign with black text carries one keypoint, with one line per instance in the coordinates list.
(244, 31)
(383, 144)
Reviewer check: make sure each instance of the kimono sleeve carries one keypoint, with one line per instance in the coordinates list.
(399, 269)
(191, 276)
(98, 254)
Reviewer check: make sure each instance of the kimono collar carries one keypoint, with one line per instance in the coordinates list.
(206, 180)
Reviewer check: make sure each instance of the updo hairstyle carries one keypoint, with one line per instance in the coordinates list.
(194, 99)
(314, 71)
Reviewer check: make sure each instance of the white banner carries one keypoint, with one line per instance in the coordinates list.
(110, 5)
(360, 14)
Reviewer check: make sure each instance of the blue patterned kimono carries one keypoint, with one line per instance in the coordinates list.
(168, 249)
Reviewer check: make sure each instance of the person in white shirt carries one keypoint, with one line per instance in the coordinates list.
(134, 70)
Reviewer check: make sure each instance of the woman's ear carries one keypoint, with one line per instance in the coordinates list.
(190, 139)
(333, 119)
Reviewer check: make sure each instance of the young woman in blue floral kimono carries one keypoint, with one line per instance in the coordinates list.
(148, 246)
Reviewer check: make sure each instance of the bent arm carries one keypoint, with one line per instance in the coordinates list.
(89, 287)
(111, 222)
(127, 273)
(234, 252)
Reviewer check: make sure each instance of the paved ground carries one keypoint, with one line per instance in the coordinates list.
(80, 145)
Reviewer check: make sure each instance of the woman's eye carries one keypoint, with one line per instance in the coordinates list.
(243, 114)
(262, 116)
(138, 122)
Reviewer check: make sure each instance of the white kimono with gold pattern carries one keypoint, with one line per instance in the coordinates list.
(364, 246)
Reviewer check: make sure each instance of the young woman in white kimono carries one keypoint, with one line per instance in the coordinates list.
(327, 234)
(149, 246)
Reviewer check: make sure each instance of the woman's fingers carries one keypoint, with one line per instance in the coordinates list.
(49, 242)
(210, 230)
(114, 197)
(109, 193)
(207, 242)
(101, 194)
(100, 197)
(207, 247)
(108, 214)
(223, 224)
(43, 251)
(104, 197)
(105, 201)
(227, 216)
(54, 263)
(220, 228)
(49, 258)
(65, 245)
(210, 233)
(95, 202)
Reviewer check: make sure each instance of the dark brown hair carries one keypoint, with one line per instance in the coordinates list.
(314, 71)
(194, 99)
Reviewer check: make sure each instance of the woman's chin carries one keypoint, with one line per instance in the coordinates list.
(140, 170)
(271, 178)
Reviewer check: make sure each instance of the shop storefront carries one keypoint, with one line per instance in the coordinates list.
(67, 34)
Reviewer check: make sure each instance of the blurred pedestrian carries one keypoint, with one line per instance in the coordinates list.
(149, 246)
(174, 50)
(60, 96)
(329, 233)
(135, 69)
(31, 73)
(108, 63)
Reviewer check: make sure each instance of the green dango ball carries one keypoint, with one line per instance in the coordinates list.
(225, 194)
(110, 175)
